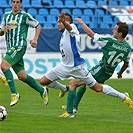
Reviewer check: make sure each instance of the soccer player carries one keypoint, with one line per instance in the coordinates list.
(73, 65)
(15, 27)
(115, 50)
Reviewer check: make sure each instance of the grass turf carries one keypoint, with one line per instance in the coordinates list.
(98, 113)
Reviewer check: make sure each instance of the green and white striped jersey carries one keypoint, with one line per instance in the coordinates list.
(113, 50)
(19, 24)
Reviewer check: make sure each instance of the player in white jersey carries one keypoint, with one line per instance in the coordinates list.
(75, 68)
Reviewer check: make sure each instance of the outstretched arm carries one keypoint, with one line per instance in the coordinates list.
(33, 42)
(88, 31)
(123, 68)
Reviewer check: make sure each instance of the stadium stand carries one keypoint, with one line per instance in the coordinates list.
(80, 4)
(91, 11)
(32, 11)
(36, 4)
(44, 12)
(54, 12)
(69, 4)
(58, 4)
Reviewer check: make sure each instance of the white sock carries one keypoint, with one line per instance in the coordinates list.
(57, 85)
(112, 92)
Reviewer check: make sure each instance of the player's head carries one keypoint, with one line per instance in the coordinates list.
(68, 19)
(123, 28)
(120, 30)
(16, 4)
(19, 0)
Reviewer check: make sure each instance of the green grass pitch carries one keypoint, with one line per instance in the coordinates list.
(98, 113)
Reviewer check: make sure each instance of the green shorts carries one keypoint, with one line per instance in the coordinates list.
(14, 56)
(100, 74)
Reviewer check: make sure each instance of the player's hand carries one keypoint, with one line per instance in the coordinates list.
(119, 75)
(33, 43)
(79, 20)
(6, 29)
(62, 17)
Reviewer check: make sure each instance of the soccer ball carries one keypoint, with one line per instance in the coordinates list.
(3, 113)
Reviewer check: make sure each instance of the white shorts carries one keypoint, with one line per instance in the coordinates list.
(63, 72)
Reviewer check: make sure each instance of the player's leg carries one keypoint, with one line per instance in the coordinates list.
(8, 74)
(79, 94)
(108, 90)
(54, 74)
(81, 73)
(3, 79)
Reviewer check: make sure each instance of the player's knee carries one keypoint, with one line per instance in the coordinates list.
(97, 87)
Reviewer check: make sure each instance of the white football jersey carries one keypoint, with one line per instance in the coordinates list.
(69, 47)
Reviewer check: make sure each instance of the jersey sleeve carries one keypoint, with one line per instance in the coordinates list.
(101, 41)
(2, 25)
(74, 29)
(31, 21)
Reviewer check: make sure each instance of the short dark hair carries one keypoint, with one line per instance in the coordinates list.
(123, 28)
(67, 14)
(20, 1)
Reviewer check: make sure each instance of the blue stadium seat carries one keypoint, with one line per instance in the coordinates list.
(80, 4)
(107, 19)
(101, 3)
(88, 12)
(116, 19)
(69, 4)
(77, 12)
(36, 4)
(44, 12)
(99, 12)
(79, 26)
(51, 19)
(58, 4)
(48, 25)
(4, 4)
(86, 19)
(93, 25)
(32, 11)
(123, 3)
(7, 9)
(131, 3)
(26, 4)
(91, 4)
(106, 26)
(1, 12)
(113, 3)
(41, 19)
(54, 12)
(66, 10)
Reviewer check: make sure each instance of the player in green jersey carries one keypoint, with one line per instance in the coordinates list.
(115, 50)
(15, 27)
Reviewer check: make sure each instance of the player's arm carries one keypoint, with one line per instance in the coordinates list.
(123, 68)
(65, 23)
(88, 31)
(33, 42)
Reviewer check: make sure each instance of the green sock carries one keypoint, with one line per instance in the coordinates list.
(10, 80)
(70, 100)
(32, 83)
(79, 95)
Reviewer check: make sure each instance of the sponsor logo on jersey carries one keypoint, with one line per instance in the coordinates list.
(12, 24)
